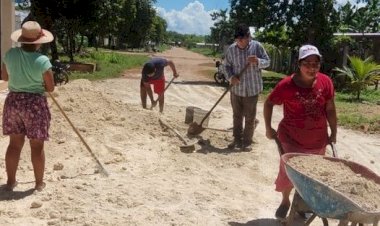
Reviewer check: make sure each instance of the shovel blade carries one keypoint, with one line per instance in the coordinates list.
(195, 129)
(188, 148)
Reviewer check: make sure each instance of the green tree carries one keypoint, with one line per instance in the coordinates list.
(157, 32)
(367, 18)
(141, 25)
(289, 24)
(64, 18)
(361, 73)
(345, 17)
(128, 16)
(222, 31)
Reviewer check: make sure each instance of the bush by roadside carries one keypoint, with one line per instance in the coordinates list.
(108, 64)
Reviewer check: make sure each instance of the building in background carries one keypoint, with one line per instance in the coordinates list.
(7, 24)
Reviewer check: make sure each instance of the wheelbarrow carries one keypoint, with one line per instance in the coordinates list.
(327, 202)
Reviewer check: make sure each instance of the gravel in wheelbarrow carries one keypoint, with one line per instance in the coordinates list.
(335, 188)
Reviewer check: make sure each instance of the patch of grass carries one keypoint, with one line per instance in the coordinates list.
(359, 116)
(272, 74)
(270, 79)
(108, 64)
(369, 95)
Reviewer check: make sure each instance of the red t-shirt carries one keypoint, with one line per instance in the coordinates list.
(305, 123)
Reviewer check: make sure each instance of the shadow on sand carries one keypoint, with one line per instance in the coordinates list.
(14, 195)
(206, 148)
(209, 83)
(258, 222)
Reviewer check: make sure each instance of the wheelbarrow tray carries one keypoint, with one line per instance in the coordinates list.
(327, 202)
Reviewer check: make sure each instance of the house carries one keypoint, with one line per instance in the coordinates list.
(7, 24)
(360, 37)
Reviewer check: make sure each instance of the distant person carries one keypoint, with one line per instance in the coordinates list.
(307, 97)
(153, 74)
(245, 89)
(26, 111)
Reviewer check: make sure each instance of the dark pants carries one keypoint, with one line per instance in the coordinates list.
(244, 108)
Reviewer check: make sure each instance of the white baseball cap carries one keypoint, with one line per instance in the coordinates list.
(308, 50)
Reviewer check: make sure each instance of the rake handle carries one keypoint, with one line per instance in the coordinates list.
(79, 135)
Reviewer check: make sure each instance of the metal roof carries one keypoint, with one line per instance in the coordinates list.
(358, 34)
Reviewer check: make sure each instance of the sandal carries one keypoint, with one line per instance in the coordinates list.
(282, 211)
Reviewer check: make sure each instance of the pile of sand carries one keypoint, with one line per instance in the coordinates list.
(339, 176)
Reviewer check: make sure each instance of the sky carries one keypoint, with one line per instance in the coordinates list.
(193, 16)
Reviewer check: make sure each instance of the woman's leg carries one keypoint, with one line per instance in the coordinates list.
(285, 196)
(38, 161)
(12, 158)
(283, 185)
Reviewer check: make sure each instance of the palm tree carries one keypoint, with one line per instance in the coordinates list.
(361, 73)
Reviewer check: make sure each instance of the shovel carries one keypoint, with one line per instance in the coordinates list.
(194, 127)
(187, 147)
(155, 102)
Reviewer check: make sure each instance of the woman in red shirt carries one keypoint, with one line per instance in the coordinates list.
(308, 102)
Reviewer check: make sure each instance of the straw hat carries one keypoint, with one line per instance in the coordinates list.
(32, 33)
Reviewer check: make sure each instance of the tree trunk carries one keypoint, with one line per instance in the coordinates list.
(54, 51)
(80, 44)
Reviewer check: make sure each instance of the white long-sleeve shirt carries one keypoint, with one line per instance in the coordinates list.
(251, 82)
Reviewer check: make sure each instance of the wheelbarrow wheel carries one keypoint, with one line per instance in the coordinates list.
(325, 222)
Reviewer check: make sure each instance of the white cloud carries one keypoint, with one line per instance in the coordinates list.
(193, 19)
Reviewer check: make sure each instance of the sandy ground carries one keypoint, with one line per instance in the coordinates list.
(151, 181)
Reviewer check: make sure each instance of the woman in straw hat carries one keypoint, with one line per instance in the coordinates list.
(309, 109)
(26, 112)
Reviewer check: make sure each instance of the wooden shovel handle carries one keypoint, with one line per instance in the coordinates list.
(225, 92)
(170, 82)
(103, 170)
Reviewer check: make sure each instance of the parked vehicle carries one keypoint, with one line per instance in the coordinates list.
(61, 72)
(219, 76)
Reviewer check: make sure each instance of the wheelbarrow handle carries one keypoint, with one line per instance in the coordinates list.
(279, 146)
(334, 150)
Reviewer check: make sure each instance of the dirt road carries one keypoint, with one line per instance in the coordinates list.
(151, 182)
